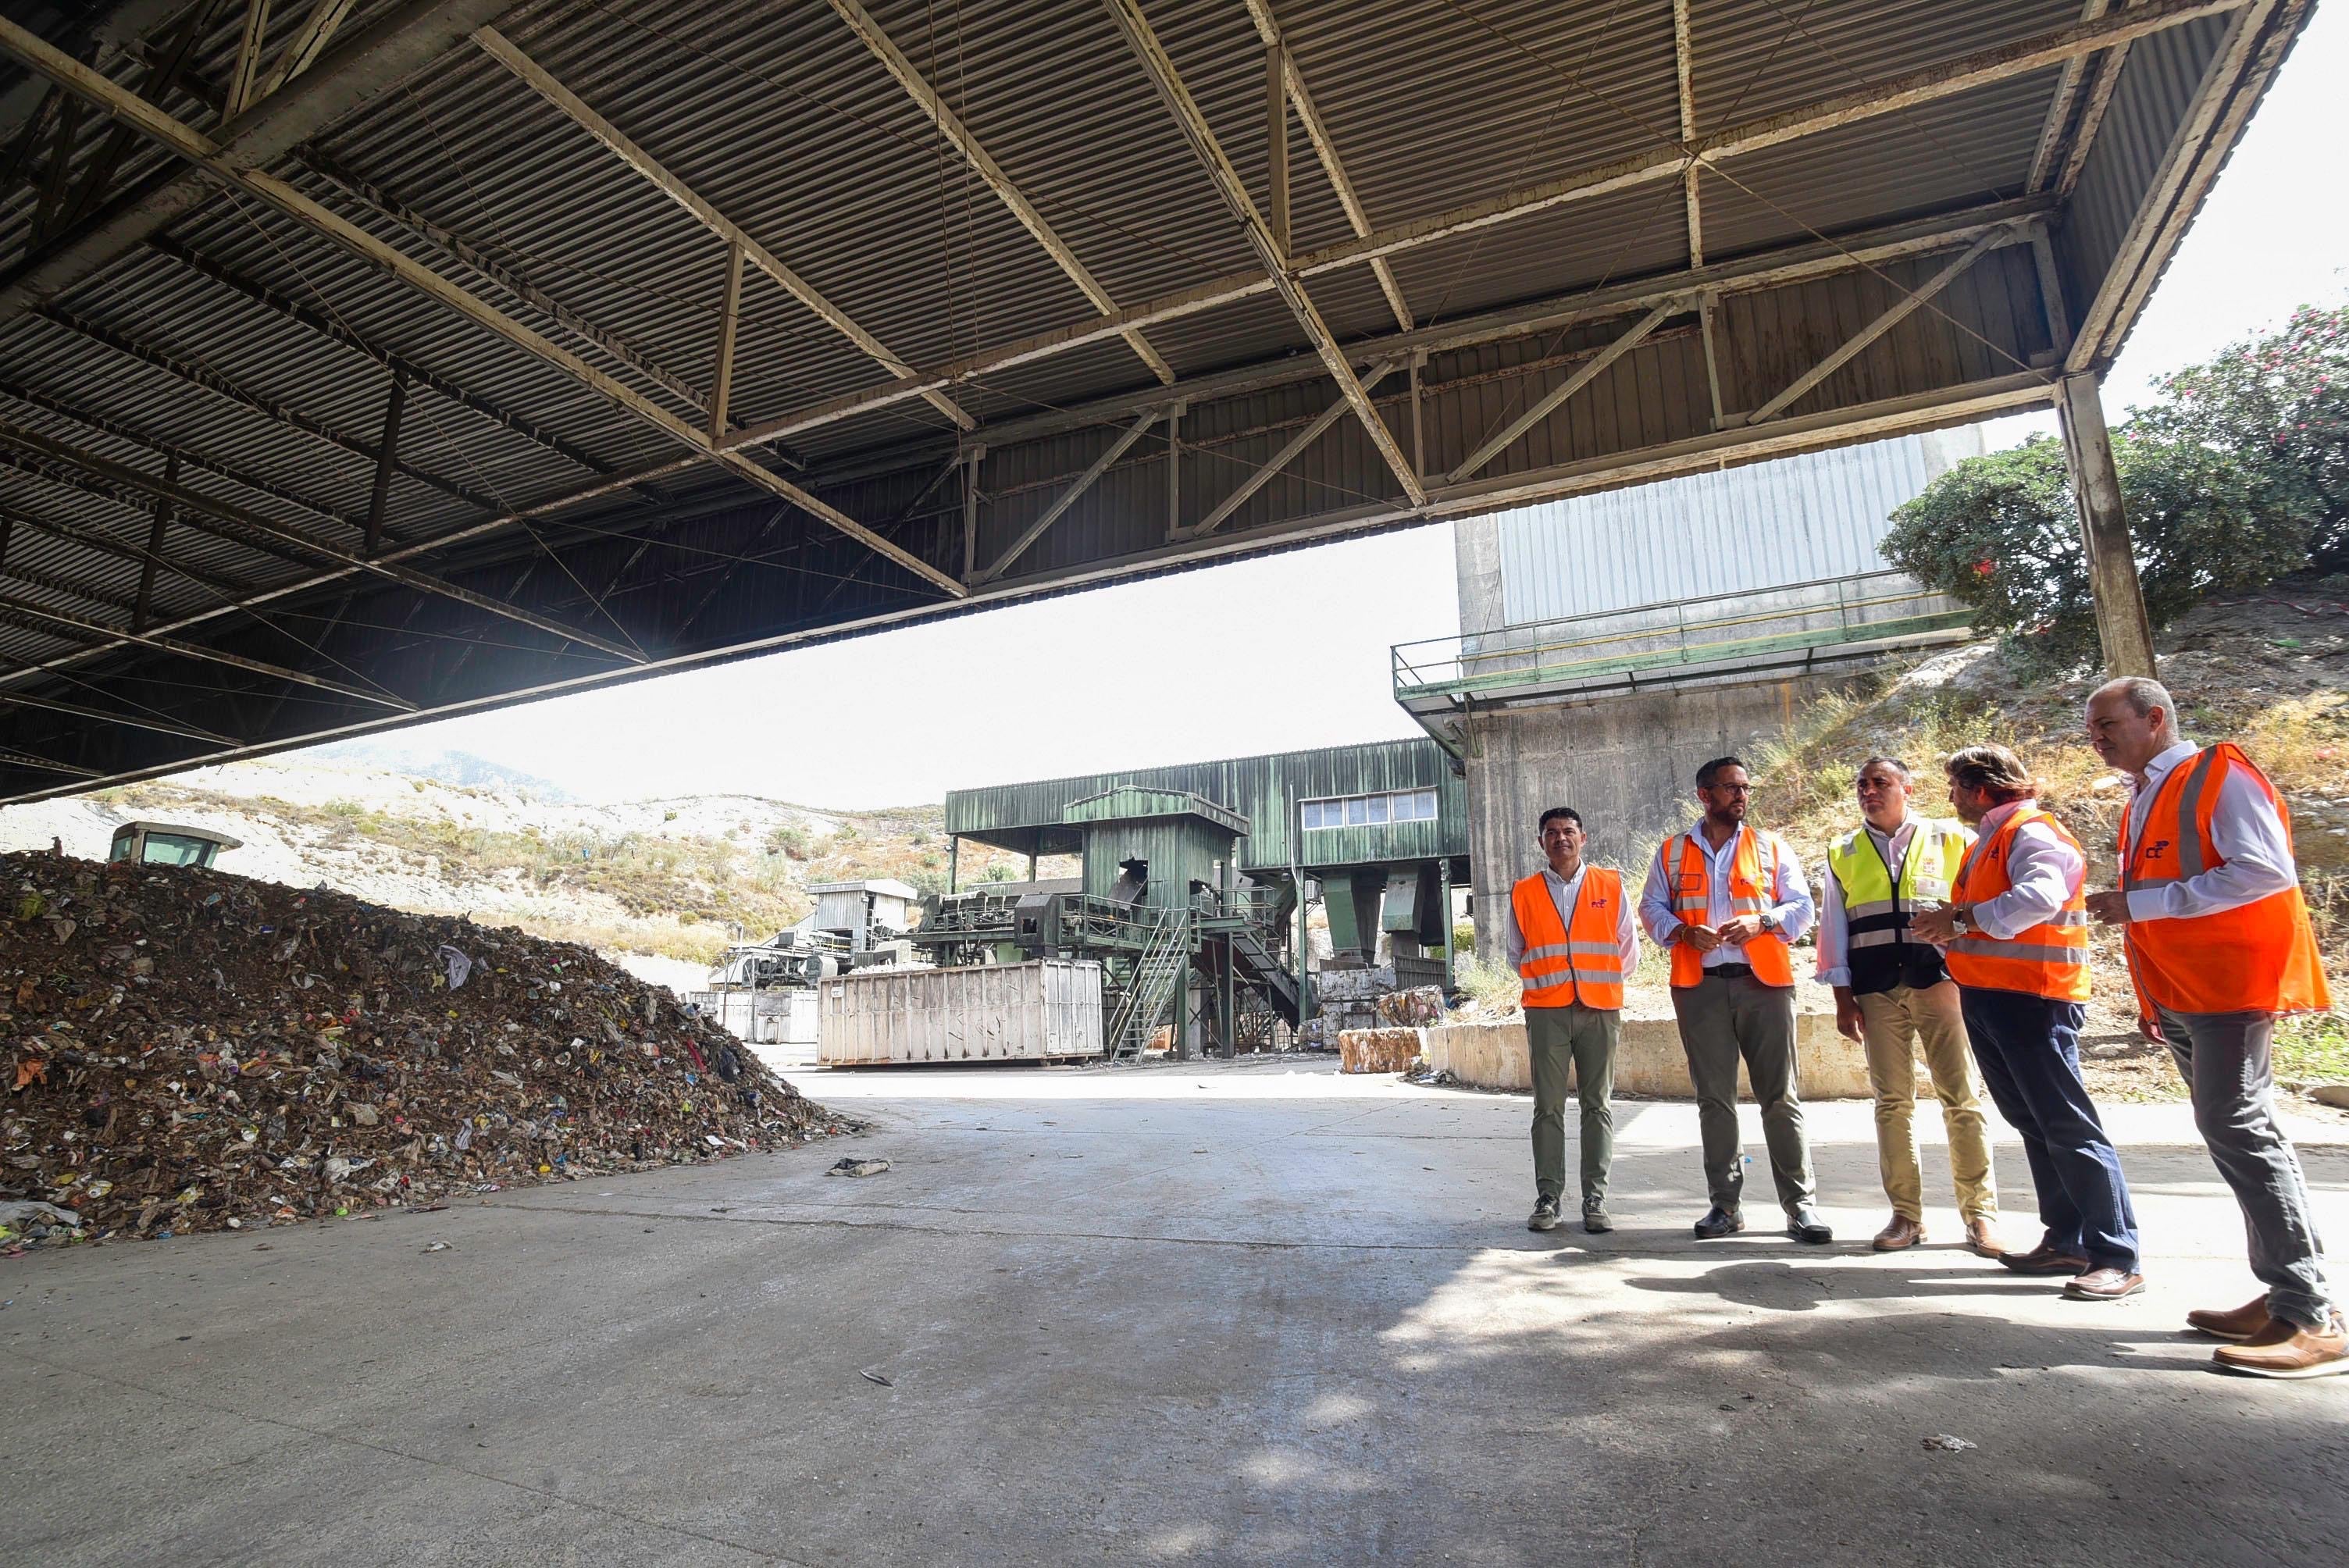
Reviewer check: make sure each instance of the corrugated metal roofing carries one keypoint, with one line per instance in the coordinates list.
(783, 119)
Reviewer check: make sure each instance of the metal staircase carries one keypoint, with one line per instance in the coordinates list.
(1263, 969)
(1144, 1005)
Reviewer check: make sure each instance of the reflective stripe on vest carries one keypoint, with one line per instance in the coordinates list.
(2260, 957)
(1576, 964)
(1879, 951)
(2050, 959)
(1748, 894)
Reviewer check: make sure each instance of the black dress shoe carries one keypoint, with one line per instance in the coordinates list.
(1718, 1222)
(1805, 1225)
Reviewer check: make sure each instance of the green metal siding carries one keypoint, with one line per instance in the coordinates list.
(1180, 851)
(1264, 789)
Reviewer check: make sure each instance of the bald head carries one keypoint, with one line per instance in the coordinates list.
(2131, 721)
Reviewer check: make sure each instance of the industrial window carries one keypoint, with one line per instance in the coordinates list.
(1371, 810)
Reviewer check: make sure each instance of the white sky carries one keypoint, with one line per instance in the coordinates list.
(1289, 651)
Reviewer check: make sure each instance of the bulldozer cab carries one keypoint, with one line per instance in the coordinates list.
(169, 844)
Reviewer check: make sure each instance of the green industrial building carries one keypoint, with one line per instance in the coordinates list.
(1190, 875)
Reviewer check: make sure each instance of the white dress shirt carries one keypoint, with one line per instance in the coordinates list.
(2246, 829)
(1790, 895)
(2043, 872)
(1835, 925)
(1563, 892)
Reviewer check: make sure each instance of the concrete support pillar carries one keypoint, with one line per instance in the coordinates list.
(2121, 626)
(1181, 1017)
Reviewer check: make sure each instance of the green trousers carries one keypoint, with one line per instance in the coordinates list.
(1581, 1039)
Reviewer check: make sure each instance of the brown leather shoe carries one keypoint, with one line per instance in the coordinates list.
(2285, 1349)
(1903, 1233)
(2235, 1324)
(2043, 1259)
(1982, 1237)
(2104, 1284)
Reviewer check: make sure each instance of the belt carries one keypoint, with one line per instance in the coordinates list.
(1731, 971)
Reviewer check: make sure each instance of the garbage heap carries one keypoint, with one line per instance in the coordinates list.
(189, 1050)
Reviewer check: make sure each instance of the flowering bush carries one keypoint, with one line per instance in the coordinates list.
(2236, 474)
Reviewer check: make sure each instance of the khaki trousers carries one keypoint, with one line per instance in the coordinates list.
(1893, 1025)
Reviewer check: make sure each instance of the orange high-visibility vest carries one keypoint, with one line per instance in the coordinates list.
(1581, 963)
(1749, 893)
(2050, 959)
(2259, 958)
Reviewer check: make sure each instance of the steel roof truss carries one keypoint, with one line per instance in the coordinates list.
(1160, 68)
(1068, 497)
(197, 148)
(539, 80)
(1584, 374)
(876, 38)
(100, 630)
(1259, 477)
(1893, 315)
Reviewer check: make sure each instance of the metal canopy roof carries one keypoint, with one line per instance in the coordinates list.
(398, 357)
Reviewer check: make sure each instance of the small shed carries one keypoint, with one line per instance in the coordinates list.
(1148, 846)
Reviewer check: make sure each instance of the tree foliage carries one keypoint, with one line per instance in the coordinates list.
(2236, 475)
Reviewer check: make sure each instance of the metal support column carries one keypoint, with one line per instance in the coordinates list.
(971, 456)
(1444, 907)
(2121, 626)
(1180, 1037)
(386, 460)
(954, 861)
(1228, 1023)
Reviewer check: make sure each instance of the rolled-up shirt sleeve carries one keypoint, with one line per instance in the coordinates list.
(2042, 872)
(1627, 936)
(1656, 901)
(2248, 832)
(1792, 897)
(1834, 932)
(1516, 939)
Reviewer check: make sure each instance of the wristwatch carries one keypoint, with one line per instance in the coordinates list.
(1962, 923)
(1768, 921)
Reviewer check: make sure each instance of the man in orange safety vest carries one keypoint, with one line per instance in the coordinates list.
(1572, 943)
(2219, 945)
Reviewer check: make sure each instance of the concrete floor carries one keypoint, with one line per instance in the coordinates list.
(1252, 1312)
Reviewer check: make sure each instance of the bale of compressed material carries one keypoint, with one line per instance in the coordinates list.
(187, 1049)
(1377, 1050)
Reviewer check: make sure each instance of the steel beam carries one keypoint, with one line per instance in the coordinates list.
(302, 51)
(2053, 129)
(1160, 68)
(495, 45)
(197, 374)
(456, 248)
(2123, 628)
(100, 630)
(195, 507)
(1259, 477)
(1325, 148)
(1892, 316)
(141, 608)
(730, 315)
(387, 447)
(187, 457)
(1588, 372)
(372, 60)
(1068, 497)
(229, 589)
(197, 148)
(1684, 70)
(75, 710)
(329, 326)
(950, 125)
(244, 74)
(13, 758)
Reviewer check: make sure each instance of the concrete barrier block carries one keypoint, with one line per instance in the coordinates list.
(1648, 1062)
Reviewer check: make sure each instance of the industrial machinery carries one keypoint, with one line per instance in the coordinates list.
(1160, 905)
(765, 992)
(169, 844)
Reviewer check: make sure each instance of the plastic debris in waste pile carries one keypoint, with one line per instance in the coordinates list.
(183, 1050)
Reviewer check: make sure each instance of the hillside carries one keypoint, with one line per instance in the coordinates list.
(2269, 670)
(671, 880)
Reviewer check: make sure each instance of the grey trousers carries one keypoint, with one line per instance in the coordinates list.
(1583, 1039)
(1722, 1021)
(2223, 1056)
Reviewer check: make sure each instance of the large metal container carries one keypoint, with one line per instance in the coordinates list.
(778, 1016)
(1044, 1010)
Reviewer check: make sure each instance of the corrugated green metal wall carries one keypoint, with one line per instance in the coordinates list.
(1180, 851)
(1265, 791)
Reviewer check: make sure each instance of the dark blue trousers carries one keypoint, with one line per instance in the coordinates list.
(2029, 1048)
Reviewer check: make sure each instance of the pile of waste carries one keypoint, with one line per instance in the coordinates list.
(184, 1049)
